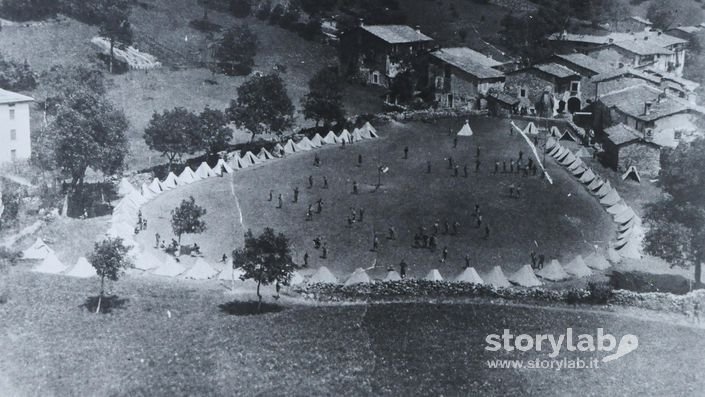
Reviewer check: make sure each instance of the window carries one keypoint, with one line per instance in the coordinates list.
(13, 135)
(12, 114)
(439, 82)
(13, 155)
(574, 86)
(522, 93)
(375, 78)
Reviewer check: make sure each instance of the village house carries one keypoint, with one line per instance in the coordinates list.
(460, 77)
(625, 77)
(588, 68)
(546, 89)
(632, 24)
(685, 32)
(625, 147)
(15, 139)
(375, 54)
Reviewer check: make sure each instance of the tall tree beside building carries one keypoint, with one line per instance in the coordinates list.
(324, 101)
(235, 52)
(262, 106)
(16, 76)
(114, 24)
(173, 133)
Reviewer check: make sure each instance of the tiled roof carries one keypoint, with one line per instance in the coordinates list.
(13, 97)
(685, 83)
(625, 71)
(641, 47)
(621, 133)
(504, 97)
(631, 101)
(469, 61)
(640, 19)
(556, 70)
(586, 62)
(396, 34)
(687, 29)
(656, 38)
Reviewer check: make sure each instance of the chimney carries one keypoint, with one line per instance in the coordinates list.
(647, 108)
(361, 22)
(418, 28)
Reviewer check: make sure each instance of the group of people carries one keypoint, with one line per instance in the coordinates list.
(141, 223)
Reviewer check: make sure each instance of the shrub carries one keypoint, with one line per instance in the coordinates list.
(276, 14)
(600, 293)
(11, 200)
(240, 8)
(263, 11)
(573, 296)
(17, 77)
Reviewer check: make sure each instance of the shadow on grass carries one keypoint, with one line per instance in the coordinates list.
(107, 305)
(249, 308)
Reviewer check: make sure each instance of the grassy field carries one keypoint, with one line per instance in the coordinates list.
(53, 346)
(562, 219)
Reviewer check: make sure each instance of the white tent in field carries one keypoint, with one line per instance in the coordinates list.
(496, 277)
(368, 129)
(553, 272)
(583, 152)
(577, 267)
(296, 279)
(434, 275)
(555, 132)
(155, 186)
(317, 140)
(612, 256)
(587, 177)
(51, 264)
(237, 163)
(356, 136)
(603, 190)
(632, 173)
(596, 184)
(596, 261)
(531, 129)
(125, 187)
(576, 164)
(147, 193)
(560, 153)
(330, 138)
(555, 150)
(465, 130)
(304, 145)
(568, 159)
(551, 143)
(146, 261)
(169, 182)
(278, 150)
(251, 158)
(569, 134)
(289, 147)
(617, 208)
(264, 155)
(136, 197)
(625, 216)
(359, 276)
(345, 136)
(323, 275)
(629, 250)
(392, 275)
(611, 198)
(38, 250)
(222, 167)
(204, 171)
(187, 176)
(169, 268)
(578, 171)
(525, 277)
(82, 269)
(469, 275)
(201, 270)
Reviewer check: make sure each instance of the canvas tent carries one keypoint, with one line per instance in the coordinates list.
(392, 275)
(368, 129)
(611, 198)
(51, 265)
(596, 261)
(296, 278)
(617, 208)
(317, 141)
(146, 261)
(629, 250)
(632, 173)
(587, 177)
(625, 216)
(550, 143)
(577, 267)
(576, 164)
(356, 136)
(278, 150)
(612, 256)
(251, 158)
(583, 152)
(496, 278)
(82, 269)
(304, 145)
(169, 182)
(569, 134)
(465, 130)
(155, 187)
(330, 138)
(469, 275)
(553, 272)
(169, 268)
(201, 270)
(577, 171)
(603, 190)
(323, 275)
(125, 187)
(531, 129)
(554, 152)
(560, 153)
(264, 155)
(136, 197)
(555, 132)
(525, 277)
(187, 176)
(289, 147)
(222, 167)
(237, 162)
(345, 136)
(596, 184)
(204, 171)
(38, 250)
(568, 159)
(434, 275)
(147, 193)
(359, 276)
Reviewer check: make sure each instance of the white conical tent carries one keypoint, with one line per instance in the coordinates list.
(331, 139)
(596, 184)
(169, 182)
(392, 275)
(558, 154)
(169, 268)
(576, 164)
(368, 129)
(345, 136)
(555, 132)
(587, 177)
(187, 176)
(603, 190)
(125, 187)
(82, 269)
(38, 250)
(251, 158)
(155, 187)
(359, 276)
(629, 250)
(147, 193)
(583, 152)
(577, 267)
(356, 136)
(632, 173)
(551, 143)
(433, 275)
(553, 272)
(554, 151)
(136, 197)
(289, 147)
(612, 256)
(618, 208)
(578, 171)
(625, 216)
(51, 265)
(146, 261)
(496, 277)
(465, 130)
(525, 277)
(304, 145)
(469, 275)
(264, 155)
(531, 129)
(323, 275)
(278, 150)
(570, 134)
(204, 171)
(610, 199)
(568, 159)
(296, 278)
(237, 162)
(222, 167)
(596, 261)
(317, 141)
(201, 270)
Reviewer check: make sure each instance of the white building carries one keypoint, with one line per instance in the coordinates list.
(15, 140)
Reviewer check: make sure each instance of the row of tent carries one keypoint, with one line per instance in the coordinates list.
(51, 264)
(629, 228)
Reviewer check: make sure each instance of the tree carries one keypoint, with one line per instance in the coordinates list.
(668, 13)
(173, 133)
(240, 8)
(186, 218)
(262, 105)
(16, 77)
(236, 50)
(265, 259)
(109, 258)
(677, 223)
(114, 24)
(324, 100)
(25, 10)
(215, 135)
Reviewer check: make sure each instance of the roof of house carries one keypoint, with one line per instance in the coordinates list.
(625, 71)
(687, 29)
(469, 61)
(641, 47)
(396, 34)
(659, 39)
(556, 70)
(586, 62)
(640, 19)
(621, 133)
(580, 38)
(13, 97)
(505, 98)
(631, 101)
(689, 85)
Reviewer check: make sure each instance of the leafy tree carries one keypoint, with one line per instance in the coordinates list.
(16, 77)
(677, 223)
(235, 52)
(324, 100)
(215, 135)
(240, 8)
(265, 259)
(25, 10)
(109, 258)
(186, 218)
(668, 13)
(173, 133)
(10, 203)
(262, 105)
(402, 86)
(61, 82)
(114, 24)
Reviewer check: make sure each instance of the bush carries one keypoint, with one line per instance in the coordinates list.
(290, 18)
(9, 257)
(263, 11)
(240, 8)
(17, 77)
(647, 282)
(11, 200)
(276, 14)
(600, 293)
